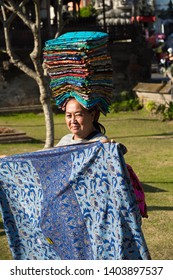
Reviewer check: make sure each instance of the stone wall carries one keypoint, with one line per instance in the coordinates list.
(131, 64)
(17, 89)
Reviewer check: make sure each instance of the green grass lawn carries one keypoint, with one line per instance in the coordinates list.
(149, 142)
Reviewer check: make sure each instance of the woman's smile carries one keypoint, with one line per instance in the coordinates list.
(79, 120)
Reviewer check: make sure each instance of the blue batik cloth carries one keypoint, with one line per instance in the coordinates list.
(72, 202)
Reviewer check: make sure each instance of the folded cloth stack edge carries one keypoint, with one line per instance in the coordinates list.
(79, 66)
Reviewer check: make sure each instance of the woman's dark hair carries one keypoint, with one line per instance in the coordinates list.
(98, 126)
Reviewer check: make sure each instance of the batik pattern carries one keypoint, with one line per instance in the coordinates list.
(71, 202)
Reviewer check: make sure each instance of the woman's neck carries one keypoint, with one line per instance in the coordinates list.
(88, 137)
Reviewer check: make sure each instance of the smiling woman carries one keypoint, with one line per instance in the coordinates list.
(80, 198)
(79, 120)
(82, 123)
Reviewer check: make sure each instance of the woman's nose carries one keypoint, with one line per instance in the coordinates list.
(73, 119)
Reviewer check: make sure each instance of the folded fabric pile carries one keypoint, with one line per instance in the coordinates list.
(79, 66)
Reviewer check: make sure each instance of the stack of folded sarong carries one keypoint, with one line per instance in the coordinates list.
(79, 66)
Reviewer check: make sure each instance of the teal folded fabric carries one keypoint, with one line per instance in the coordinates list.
(79, 65)
(78, 40)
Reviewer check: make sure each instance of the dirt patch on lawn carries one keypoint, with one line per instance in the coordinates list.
(6, 130)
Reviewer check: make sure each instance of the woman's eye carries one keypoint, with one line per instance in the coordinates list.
(78, 115)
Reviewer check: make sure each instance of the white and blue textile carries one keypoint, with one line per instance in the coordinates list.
(72, 202)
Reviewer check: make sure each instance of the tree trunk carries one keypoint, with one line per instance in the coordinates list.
(47, 109)
(38, 74)
(41, 80)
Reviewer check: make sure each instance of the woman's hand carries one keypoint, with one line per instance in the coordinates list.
(121, 146)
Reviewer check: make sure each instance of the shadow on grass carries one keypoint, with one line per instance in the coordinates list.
(155, 136)
(2, 233)
(160, 208)
(27, 140)
(149, 188)
(37, 141)
(128, 119)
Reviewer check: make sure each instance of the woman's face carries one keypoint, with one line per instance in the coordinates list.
(79, 120)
